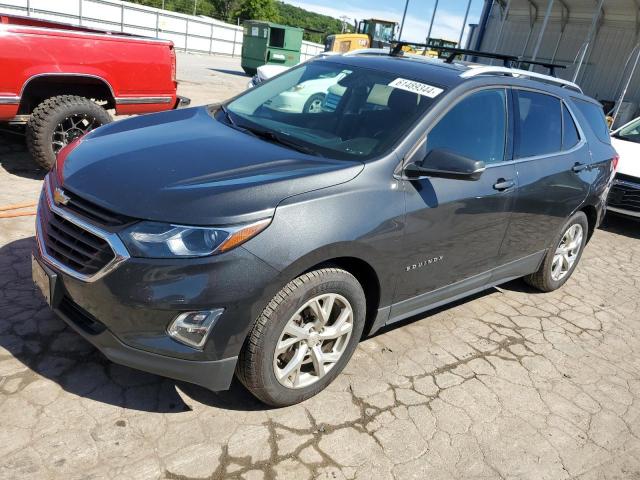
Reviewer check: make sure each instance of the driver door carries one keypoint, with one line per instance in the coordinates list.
(454, 228)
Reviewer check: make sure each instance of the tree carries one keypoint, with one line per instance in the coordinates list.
(316, 26)
(257, 10)
(225, 9)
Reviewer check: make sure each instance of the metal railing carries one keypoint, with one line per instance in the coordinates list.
(187, 32)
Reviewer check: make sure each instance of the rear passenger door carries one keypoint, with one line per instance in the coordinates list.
(551, 157)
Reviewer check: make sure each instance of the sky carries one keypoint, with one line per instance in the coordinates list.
(447, 24)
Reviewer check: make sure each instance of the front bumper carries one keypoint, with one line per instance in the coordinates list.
(214, 374)
(125, 312)
(624, 196)
(287, 102)
(182, 102)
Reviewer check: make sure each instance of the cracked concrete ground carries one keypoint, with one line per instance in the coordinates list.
(507, 384)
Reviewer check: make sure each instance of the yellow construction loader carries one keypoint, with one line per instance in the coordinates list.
(376, 33)
(370, 33)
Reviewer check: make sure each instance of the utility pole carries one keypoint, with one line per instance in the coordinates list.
(545, 21)
(195, 7)
(433, 17)
(626, 86)
(404, 15)
(587, 42)
(464, 24)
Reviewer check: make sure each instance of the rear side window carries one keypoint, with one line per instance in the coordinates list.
(538, 124)
(570, 136)
(595, 117)
(474, 128)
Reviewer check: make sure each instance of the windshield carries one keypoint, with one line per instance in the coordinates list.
(631, 132)
(383, 32)
(334, 110)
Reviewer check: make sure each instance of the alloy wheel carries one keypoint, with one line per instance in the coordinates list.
(316, 106)
(567, 252)
(313, 340)
(72, 127)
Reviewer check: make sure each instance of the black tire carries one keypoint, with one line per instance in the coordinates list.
(317, 97)
(255, 367)
(46, 117)
(542, 279)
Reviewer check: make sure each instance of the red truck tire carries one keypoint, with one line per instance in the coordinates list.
(58, 121)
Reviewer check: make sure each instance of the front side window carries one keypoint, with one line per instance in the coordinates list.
(474, 128)
(335, 110)
(538, 124)
(630, 132)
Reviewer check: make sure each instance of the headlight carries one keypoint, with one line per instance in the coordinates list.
(161, 240)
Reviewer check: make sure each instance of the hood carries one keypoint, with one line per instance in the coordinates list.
(265, 72)
(629, 152)
(186, 167)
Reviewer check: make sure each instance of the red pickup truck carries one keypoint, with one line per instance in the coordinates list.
(60, 80)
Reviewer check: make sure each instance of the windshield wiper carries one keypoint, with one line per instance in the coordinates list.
(280, 138)
(227, 115)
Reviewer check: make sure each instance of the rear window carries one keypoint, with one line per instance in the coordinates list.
(594, 115)
(538, 124)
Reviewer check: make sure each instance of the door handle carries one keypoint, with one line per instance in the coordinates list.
(579, 167)
(503, 184)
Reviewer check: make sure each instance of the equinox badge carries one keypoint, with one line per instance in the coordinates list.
(423, 263)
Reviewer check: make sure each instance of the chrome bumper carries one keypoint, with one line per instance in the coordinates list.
(182, 102)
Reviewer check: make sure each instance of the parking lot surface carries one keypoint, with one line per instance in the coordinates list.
(510, 383)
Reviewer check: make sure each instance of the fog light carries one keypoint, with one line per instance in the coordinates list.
(192, 328)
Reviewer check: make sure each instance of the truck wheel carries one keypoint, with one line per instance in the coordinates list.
(563, 255)
(58, 121)
(303, 338)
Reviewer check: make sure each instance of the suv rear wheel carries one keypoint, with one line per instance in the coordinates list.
(563, 255)
(304, 337)
(58, 121)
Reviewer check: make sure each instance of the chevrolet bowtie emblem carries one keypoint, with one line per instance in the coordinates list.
(59, 197)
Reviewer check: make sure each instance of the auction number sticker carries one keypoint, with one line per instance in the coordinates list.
(416, 87)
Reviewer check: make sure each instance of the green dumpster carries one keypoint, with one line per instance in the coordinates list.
(266, 42)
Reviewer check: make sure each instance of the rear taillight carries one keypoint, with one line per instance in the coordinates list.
(615, 161)
(172, 53)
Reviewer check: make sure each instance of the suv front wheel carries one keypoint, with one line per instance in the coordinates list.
(563, 255)
(304, 337)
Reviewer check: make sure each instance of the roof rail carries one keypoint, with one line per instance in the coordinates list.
(516, 72)
(396, 50)
(509, 61)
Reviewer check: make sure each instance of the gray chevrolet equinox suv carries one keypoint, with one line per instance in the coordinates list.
(257, 239)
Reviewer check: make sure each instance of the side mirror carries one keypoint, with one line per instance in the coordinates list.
(445, 164)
